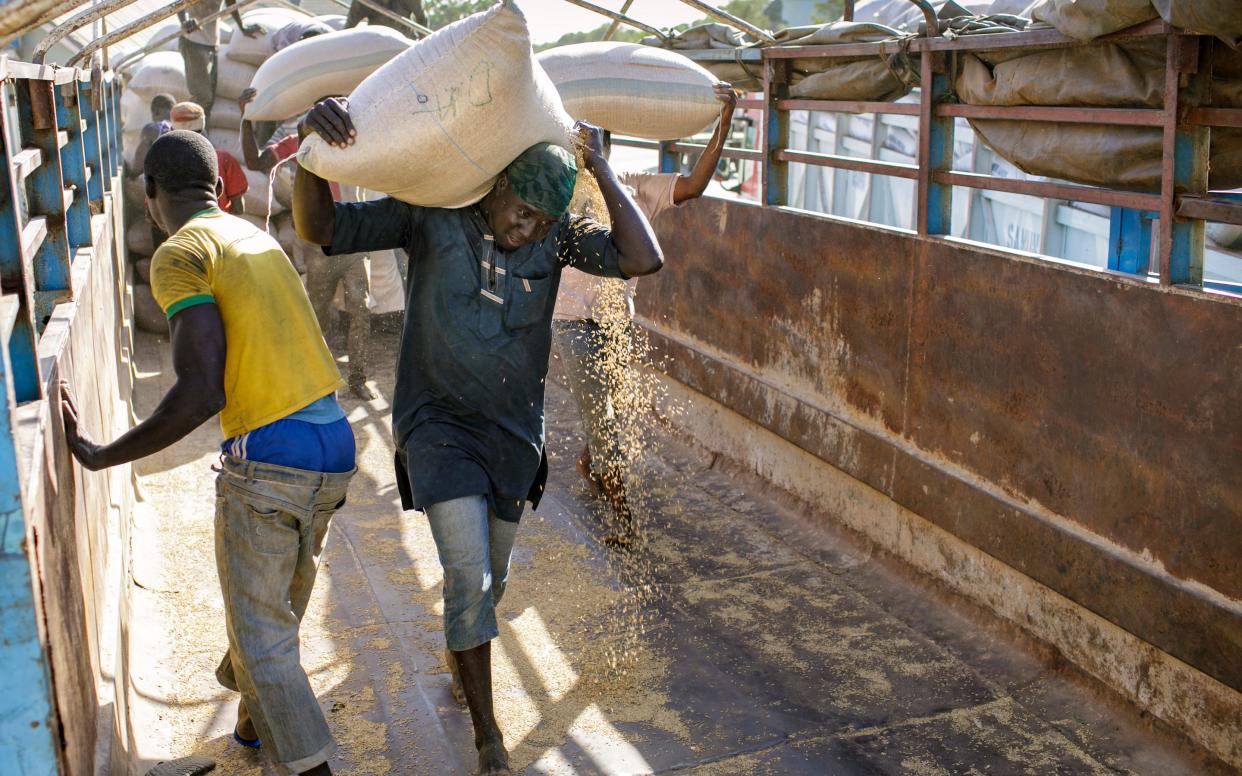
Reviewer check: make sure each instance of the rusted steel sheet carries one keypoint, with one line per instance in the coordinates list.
(1015, 403)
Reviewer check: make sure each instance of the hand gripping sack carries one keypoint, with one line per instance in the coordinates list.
(633, 90)
(329, 65)
(438, 124)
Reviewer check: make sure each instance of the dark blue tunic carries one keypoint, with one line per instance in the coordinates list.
(468, 406)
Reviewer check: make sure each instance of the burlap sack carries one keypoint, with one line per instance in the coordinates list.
(147, 312)
(323, 66)
(162, 71)
(256, 50)
(438, 124)
(257, 199)
(1120, 76)
(232, 78)
(1089, 19)
(225, 114)
(227, 140)
(633, 90)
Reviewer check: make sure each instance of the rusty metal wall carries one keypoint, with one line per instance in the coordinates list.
(1083, 428)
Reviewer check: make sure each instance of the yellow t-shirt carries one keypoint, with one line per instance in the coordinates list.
(276, 361)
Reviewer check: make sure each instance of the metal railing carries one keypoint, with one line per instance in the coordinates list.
(61, 133)
(1181, 204)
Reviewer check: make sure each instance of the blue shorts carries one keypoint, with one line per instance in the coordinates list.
(310, 444)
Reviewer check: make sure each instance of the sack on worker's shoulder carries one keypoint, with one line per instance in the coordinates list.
(255, 50)
(323, 66)
(633, 90)
(439, 122)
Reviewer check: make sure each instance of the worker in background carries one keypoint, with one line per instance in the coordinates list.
(161, 109)
(468, 404)
(323, 273)
(579, 339)
(191, 117)
(199, 44)
(245, 345)
(406, 9)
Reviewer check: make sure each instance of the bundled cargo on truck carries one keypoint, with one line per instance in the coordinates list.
(335, 64)
(633, 90)
(438, 123)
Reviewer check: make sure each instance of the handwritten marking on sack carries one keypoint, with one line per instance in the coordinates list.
(475, 91)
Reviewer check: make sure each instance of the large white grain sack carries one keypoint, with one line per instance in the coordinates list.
(173, 43)
(225, 114)
(633, 90)
(147, 312)
(438, 124)
(323, 66)
(334, 20)
(257, 198)
(232, 78)
(129, 144)
(162, 71)
(227, 140)
(135, 111)
(282, 183)
(256, 50)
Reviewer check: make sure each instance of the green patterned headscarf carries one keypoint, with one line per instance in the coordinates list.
(544, 176)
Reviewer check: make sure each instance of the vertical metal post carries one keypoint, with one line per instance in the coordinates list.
(775, 132)
(1184, 163)
(73, 166)
(15, 272)
(113, 90)
(45, 194)
(670, 162)
(935, 200)
(96, 160)
(1129, 240)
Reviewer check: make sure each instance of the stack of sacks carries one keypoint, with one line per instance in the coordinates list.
(633, 90)
(160, 72)
(467, 100)
(140, 245)
(335, 64)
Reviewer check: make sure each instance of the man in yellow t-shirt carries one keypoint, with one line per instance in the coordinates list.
(246, 345)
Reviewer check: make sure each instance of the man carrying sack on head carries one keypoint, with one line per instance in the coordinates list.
(468, 404)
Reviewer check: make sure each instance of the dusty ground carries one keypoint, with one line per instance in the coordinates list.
(744, 638)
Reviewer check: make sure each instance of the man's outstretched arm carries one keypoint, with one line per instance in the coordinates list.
(314, 213)
(692, 186)
(197, 395)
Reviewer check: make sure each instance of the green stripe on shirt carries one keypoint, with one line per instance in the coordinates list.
(189, 301)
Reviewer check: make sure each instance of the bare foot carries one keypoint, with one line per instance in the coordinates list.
(493, 759)
(459, 692)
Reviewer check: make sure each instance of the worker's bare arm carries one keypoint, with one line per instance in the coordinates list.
(631, 233)
(692, 186)
(314, 213)
(197, 395)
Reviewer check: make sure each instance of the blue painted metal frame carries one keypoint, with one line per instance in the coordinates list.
(1129, 240)
(45, 194)
(91, 149)
(936, 198)
(73, 167)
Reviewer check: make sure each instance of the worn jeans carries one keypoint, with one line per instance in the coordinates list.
(200, 72)
(579, 344)
(270, 527)
(474, 547)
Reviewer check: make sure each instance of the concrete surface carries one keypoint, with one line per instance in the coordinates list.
(744, 636)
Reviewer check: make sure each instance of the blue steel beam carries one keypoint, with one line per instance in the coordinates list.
(73, 165)
(775, 133)
(935, 200)
(45, 194)
(91, 148)
(15, 270)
